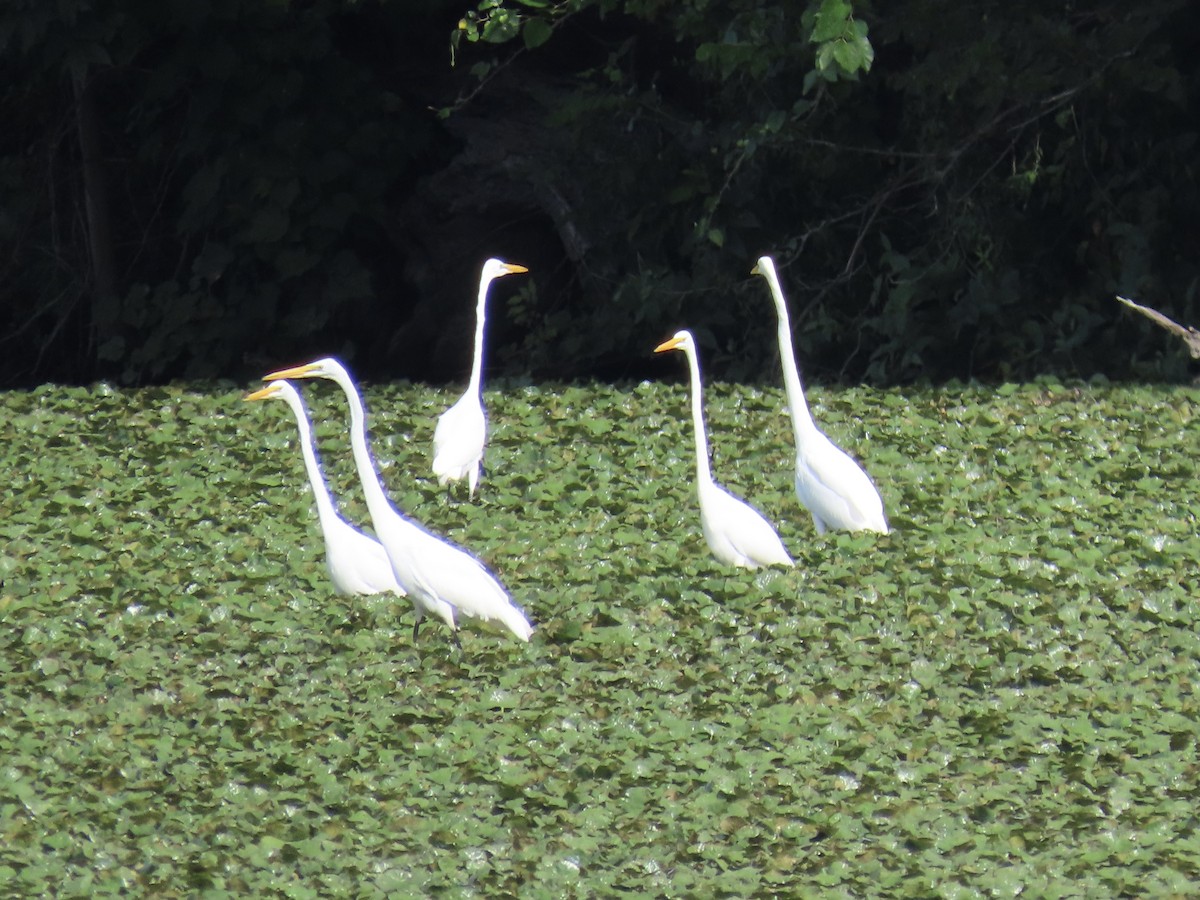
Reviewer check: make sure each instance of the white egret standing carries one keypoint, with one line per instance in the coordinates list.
(358, 564)
(440, 579)
(736, 533)
(461, 432)
(831, 485)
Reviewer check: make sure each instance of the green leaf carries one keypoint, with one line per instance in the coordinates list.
(831, 21)
(850, 56)
(535, 32)
(1030, 621)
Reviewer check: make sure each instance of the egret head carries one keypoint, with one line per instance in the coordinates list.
(681, 341)
(764, 267)
(496, 268)
(276, 389)
(321, 368)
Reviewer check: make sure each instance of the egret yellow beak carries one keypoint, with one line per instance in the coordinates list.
(757, 270)
(269, 391)
(304, 371)
(514, 269)
(672, 344)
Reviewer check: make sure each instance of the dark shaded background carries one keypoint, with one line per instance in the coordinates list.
(200, 188)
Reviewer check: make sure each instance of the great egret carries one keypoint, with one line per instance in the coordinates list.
(461, 431)
(440, 579)
(831, 485)
(358, 564)
(736, 533)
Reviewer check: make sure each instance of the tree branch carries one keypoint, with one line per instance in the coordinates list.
(1190, 335)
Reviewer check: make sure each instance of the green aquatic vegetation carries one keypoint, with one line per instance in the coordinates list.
(996, 698)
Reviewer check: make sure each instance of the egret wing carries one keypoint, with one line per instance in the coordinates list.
(358, 564)
(750, 539)
(450, 575)
(458, 438)
(837, 489)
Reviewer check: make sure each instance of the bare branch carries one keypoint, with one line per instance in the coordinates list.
(1189, 334)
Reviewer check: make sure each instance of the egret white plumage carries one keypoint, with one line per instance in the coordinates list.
(737, 534)
(461, 431)
(831, 485)
(358, 564)
(441, 579)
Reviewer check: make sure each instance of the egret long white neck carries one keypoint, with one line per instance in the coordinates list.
(802, 421)
(326, 509)
(377, 502)
(703, 472)
(480, 315)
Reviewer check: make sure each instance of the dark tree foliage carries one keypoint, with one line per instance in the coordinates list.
(969, 208)
(209, 187)
(246, 156)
